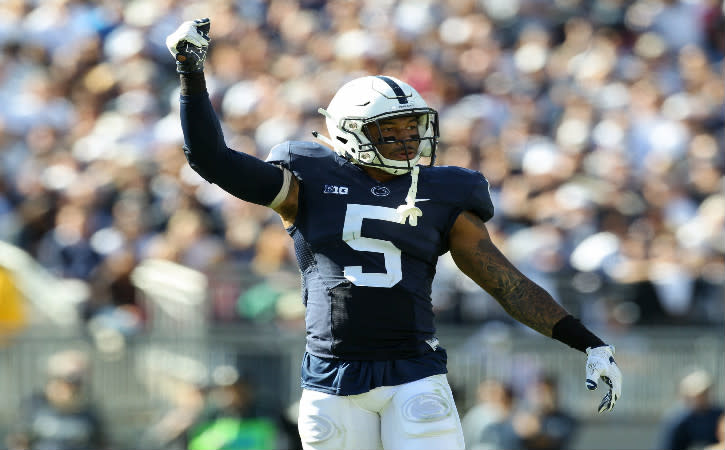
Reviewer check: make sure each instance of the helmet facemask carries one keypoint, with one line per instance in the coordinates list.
(422, 143)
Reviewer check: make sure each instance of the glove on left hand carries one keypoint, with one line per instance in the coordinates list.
(189, 44)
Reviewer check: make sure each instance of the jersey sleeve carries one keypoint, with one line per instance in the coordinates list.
(479, 199)
(242, 175)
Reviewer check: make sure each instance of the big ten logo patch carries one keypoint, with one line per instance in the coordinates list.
(332, 189)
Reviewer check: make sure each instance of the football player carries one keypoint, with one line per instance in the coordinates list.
(368, 224)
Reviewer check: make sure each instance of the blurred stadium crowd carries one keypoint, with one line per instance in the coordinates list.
(598, 123)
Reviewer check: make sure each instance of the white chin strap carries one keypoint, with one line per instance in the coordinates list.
(409, 211)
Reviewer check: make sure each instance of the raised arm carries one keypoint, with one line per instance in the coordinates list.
(527, 302)
(242, 175)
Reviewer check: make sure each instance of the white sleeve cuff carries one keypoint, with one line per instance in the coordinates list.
(284, 190)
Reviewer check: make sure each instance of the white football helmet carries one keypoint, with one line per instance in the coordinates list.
(366, 101)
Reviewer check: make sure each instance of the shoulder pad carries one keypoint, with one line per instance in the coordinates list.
(286, 152)
(280, 154)
(302, 158)
(469, 187)
(480, 199)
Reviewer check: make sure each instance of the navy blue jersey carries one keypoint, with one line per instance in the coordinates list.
(367, 278)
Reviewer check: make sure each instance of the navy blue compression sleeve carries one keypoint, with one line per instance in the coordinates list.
(242, 175)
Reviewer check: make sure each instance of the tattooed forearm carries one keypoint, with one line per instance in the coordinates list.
(524, 300)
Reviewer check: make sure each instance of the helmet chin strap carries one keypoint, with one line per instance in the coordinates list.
(409, 211)
(323, 138)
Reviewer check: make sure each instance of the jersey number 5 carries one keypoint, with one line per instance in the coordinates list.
(351, 234)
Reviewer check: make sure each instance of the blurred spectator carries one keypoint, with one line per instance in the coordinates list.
(66, 250)
(695, 423)
(482, 424)
(62, 416)
(169, 432)
(12, 311)
(229, 420)
(541, 423)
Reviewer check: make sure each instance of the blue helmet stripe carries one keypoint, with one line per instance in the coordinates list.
(396, 89)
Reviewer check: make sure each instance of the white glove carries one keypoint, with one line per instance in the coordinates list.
(189, 44)
(600, 364)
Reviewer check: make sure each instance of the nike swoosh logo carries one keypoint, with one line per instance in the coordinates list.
(421, 200)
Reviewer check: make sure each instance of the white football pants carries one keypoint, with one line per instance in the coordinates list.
(416, 415)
